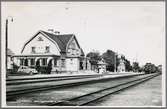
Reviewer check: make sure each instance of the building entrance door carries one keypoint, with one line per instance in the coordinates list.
(81, 65)
(26, 62)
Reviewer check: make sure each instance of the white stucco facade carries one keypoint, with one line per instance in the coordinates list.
(121, 66)
(72, 64)
(40, 42)
(9, 62)
(62, 52)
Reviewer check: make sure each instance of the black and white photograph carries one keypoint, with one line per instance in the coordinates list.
(83, 54)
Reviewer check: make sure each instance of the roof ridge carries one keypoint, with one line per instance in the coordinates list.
(58, 34)
(62, 40)
(57, 37)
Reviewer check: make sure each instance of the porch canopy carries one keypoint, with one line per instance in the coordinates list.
(33, 59)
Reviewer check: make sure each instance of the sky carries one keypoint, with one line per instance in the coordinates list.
(134, 29)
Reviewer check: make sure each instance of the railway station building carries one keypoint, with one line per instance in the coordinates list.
(61, 51)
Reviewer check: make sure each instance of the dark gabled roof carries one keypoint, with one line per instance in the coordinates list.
(62, 40)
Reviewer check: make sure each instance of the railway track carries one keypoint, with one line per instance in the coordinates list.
(94, 96)
(14, 93)
(46, 79)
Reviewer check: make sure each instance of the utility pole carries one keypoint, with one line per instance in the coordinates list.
(115, 65)
(6, 37)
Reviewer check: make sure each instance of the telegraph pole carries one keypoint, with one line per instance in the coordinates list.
(6, 38)
(115, 65)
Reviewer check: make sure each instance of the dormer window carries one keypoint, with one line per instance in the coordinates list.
(40, 39)
(47, 49)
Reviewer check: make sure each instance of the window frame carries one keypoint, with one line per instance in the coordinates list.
(33, 49)
(32, 60)
(47, 50)
(44, 62)
(40, 39)
(21, 62)
(63, 63)
(55, 62)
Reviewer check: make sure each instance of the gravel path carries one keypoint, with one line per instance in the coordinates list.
(148, 93)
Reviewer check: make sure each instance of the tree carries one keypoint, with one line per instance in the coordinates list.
(128, 66)
(150, 68)
(94, 57)
(135, 66)
(110, 57)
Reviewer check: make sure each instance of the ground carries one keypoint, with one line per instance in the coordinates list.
(148, 93)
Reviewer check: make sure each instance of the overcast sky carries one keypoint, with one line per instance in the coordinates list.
(135, 29)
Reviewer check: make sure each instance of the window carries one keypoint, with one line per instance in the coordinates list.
(77, 52)
(32, 61)
(21, 62)
(63, 63)
(40, 39)
(55, 62)
(69, 50)
(26, 62)
(72, 52)
(47, 49)
(33, 49)
(73, 45)
(44, 61)
(71, 61)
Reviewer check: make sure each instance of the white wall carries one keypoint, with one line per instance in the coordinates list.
(72, 64)
(16, 61)
(76, 52)
(9, 63)
(40, 46)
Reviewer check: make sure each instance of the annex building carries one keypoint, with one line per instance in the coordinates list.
(61, 51)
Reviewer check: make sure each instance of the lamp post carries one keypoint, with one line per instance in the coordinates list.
(6, 36)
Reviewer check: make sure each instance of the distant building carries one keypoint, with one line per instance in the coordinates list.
(62, 50)
(9, 59)
(102, 66)
(121, 66)
(160, 68)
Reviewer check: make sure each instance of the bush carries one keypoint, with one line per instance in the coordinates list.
(43, 69)
(150, 68)
(15, 68)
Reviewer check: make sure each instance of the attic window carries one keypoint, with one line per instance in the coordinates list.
(40, 39)
(73, 45)
(47, 49)
(33, 49)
